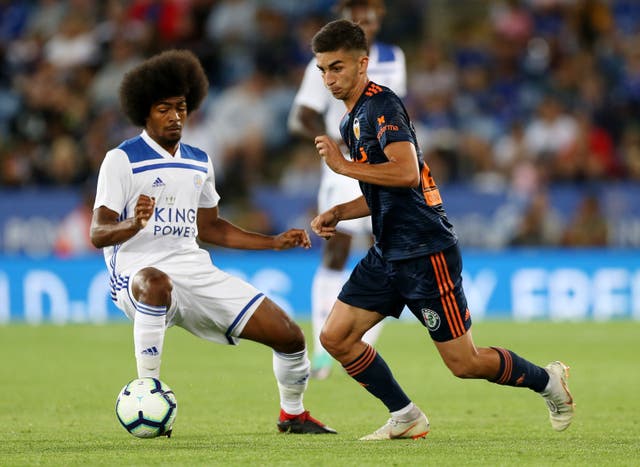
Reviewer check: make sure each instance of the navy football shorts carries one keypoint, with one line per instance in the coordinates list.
(430, 286)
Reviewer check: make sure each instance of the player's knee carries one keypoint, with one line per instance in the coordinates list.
(293, 341)
(152, 286)
(332, 343)
(289, 335)
(461, 368)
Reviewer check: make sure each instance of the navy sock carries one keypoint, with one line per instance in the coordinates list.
(516, 371)
(372, 372)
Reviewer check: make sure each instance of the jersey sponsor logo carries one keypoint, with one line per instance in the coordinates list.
(165, 215)
(157, 182)
(384, 128)
(171, 221)
(431, 319)
(174, 230)
(356, 128)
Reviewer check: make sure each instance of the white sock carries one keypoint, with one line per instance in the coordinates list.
(409, 412)
(148, 336)
(292, 374)
(326, 286)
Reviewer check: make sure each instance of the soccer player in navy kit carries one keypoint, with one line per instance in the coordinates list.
(315, 111)
(415, 260)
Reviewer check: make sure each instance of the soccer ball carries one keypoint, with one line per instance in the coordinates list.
(146, 408)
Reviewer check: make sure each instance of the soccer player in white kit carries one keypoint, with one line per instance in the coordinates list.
(315, 112)
(156, 197)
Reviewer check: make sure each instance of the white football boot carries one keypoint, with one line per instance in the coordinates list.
(416, 428)
(558, 397)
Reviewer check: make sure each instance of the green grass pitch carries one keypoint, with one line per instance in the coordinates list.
(59, 386)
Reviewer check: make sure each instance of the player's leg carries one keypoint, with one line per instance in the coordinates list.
(271, 326)
(504, 367)
(223, 308)
(449, 322)
(331, 274)
(327, 283)
(371, 287)
(342, 337)
(150, 289)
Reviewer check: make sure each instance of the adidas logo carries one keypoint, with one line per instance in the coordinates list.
(302, 380)
(157, 182)
(151, 351)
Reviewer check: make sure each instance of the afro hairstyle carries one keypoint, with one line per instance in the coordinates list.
(169, 74)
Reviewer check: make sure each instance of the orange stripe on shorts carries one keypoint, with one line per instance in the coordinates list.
(456, 316)
(442, 287)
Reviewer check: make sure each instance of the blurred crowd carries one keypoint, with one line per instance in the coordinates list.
(505, 94)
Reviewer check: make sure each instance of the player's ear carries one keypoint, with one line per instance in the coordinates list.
(363, 63)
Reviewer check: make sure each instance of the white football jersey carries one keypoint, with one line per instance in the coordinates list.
(180, 185)
(386, 67)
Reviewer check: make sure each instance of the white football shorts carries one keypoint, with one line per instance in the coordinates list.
(338, 189)
(205, 301)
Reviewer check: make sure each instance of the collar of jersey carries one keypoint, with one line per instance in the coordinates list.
(159, 149)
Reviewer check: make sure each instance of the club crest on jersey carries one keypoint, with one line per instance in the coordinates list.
(356, 128)
(197, 181)
(431, 319)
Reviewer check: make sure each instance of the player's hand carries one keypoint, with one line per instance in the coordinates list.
(331, 153)
(324, 225)
(143, 210)
(291, 239)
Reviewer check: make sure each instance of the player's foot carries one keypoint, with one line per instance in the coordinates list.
(415, 428)
(558, 397)
(321, 366)
(302, 424)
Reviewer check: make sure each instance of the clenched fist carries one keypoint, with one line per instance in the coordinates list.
(144, 210)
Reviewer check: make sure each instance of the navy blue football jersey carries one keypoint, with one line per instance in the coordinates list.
(406, 222)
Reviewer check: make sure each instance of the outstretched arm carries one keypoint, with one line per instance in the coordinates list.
(219, 231)
(106, 230)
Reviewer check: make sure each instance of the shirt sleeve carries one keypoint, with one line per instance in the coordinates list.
(114, 182)
(209, 197)
(387, 115)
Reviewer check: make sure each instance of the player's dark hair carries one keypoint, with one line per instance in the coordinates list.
(169, 74)
(338, 35)
(378, 5)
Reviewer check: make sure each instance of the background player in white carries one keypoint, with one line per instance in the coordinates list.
(315, 112)
(155, 198)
